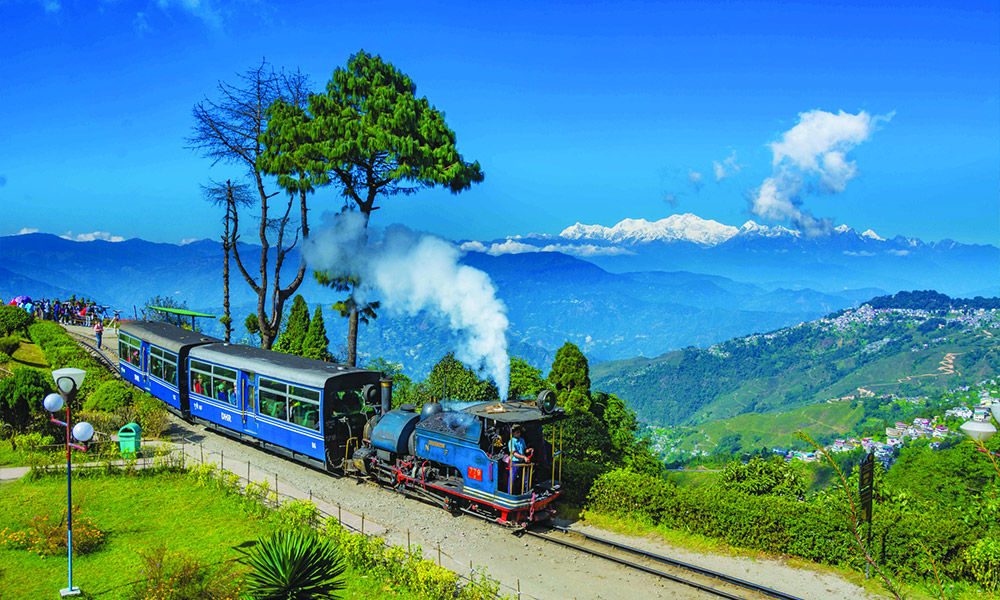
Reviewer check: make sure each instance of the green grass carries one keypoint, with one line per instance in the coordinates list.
(137, 513)
(28, 355)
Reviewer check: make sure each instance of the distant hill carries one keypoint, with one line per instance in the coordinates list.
(551, 298)
(898, 350)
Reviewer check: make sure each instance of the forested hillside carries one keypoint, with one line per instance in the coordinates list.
(896, 348)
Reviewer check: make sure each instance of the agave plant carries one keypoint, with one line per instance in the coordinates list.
(294, 565)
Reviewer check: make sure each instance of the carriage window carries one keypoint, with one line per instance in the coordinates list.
(292, 403)
(163, 365)
(213, 381)
(273, 399)
(129, 349)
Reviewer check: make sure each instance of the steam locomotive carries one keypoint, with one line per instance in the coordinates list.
(339, 419)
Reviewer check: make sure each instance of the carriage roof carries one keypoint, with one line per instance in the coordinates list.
(288, 367)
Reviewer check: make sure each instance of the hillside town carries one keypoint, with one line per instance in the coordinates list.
(971, 403)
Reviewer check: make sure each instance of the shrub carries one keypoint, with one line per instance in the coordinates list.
(577, 478)
(294, 564)
(4, 357)
(21, 397)
(9, 344)
(983, 560)
(166, 576)
(14, 319)
(33, 441)
(150, 414)
(46, 536)
(110, 397)
(626, 494)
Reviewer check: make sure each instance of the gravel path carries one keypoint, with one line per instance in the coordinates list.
(539, 569)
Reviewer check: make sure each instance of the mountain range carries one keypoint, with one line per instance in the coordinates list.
(771, 256)
(635, 289)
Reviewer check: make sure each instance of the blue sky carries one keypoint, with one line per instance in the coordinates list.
(590, 112)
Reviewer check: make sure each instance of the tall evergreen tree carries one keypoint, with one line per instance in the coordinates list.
(296, 328)
(316, 344)
(371, 135)
(570, 377)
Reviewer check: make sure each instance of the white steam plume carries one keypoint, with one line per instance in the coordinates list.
(812, 156)
(410, 273)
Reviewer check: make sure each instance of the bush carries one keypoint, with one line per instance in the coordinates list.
(110, 397)
(14, 319)
(983, 560)
(4, 357)
(21, 397)
(577, 478)
(626, 494)
(150, 414)
(32, 441)
(9, 344)
(166, 576)
(46, 536)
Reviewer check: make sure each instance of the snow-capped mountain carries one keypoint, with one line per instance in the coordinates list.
(686, 227)
(769, 255)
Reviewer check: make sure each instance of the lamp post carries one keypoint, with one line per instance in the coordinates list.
(68, 382)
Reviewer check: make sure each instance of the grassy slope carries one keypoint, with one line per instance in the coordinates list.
(136, 514)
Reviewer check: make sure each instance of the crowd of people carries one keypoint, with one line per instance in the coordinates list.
(67, 312)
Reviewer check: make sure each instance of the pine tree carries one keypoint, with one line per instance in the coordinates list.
(296, 329)
(571, 378)
(316, 343)
(371, 135)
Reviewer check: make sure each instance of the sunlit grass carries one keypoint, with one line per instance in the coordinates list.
(136, 513)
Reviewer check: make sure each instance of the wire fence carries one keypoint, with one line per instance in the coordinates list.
(184, 451)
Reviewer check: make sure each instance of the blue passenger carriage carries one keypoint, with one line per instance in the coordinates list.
(304, 408)
(152, 355)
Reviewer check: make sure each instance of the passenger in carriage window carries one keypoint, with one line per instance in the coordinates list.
(232, 395)
(199, 387)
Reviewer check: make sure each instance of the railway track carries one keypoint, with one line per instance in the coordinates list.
(99, 356)
(710, 582)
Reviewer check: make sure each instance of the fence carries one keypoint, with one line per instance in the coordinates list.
(180, 453)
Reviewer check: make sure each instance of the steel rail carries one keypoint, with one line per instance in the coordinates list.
(721, 577)
(104, 361)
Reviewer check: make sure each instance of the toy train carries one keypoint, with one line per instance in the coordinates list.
(339, 419)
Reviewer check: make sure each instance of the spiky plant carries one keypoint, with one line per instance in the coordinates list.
(294, 565)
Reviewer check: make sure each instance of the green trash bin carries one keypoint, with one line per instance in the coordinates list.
(130, 438)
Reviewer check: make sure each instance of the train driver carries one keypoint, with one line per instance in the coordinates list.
(519, 451)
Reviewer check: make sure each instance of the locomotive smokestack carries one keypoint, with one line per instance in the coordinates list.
(386, 382)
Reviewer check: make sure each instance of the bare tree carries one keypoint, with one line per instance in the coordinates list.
(231, 130)
(232, 196)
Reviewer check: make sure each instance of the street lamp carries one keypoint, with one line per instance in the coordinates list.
(68, 382)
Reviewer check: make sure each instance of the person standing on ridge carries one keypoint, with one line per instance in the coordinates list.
(98, 331)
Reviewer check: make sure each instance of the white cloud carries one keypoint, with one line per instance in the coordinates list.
(51, 6)
(187, 241)
(861, 253)
(511, 246)
(727, 168)
(200, 9)
(140, 23)
(899, 252)
(812, 156)
(694, 178)
(26, 230)
(90, 237)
